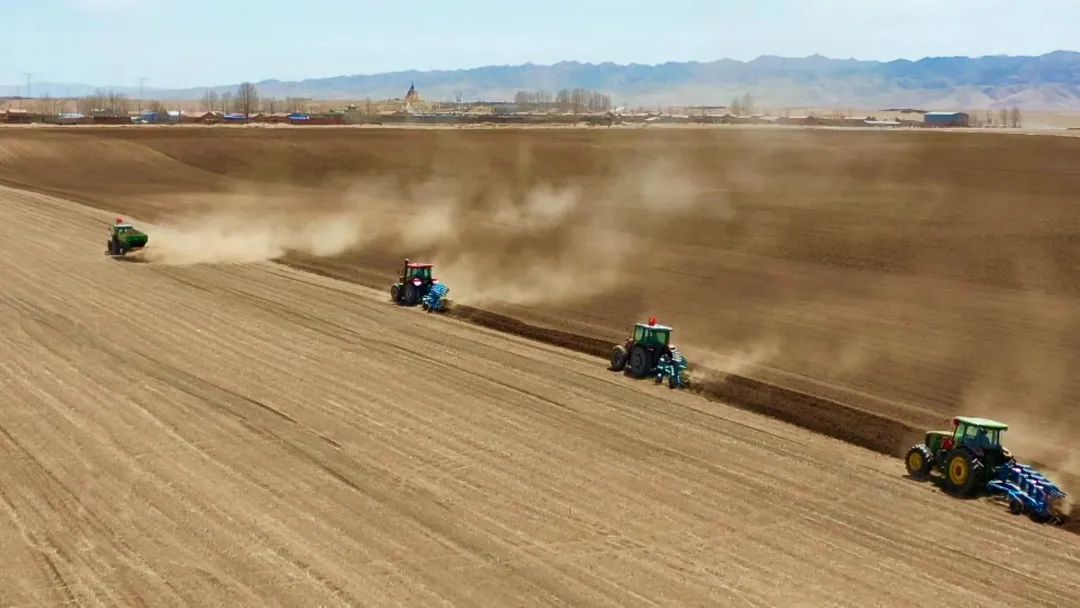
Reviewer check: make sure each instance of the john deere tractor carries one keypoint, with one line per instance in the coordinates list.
(650, 351)
(416, 285)
(123, 238)
(972, 459)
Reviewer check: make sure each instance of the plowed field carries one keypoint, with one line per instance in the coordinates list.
(914, 275)
(209, 428)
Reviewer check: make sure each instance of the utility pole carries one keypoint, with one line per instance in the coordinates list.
(28, 75)
(142, 87)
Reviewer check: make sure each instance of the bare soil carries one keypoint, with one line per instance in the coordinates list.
(912, 275)
(253, 435)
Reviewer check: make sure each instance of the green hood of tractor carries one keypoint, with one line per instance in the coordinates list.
(934, 439)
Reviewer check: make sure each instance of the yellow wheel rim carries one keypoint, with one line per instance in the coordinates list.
(914, 461)
(959, 471)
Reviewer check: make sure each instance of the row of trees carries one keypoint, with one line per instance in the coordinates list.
(1010, 118)
(743, 106)
(246, 100)
(565, 100)
(105, 103)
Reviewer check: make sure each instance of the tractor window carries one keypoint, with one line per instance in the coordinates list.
(639, 334)
(979, 436)
(424, 274)
(657, 338)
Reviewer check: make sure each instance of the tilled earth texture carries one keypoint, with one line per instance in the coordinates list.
(209, 428)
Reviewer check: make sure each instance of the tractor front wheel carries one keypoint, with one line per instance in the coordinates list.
(919, 461)
(619, 358)
(639, 362)
(962, 471)
(395, 293)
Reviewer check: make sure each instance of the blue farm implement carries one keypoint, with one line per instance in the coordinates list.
(675, 368)
(1028, 492)
(972, 459)
(435, 299)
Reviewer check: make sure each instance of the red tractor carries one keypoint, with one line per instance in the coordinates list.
(414, 282)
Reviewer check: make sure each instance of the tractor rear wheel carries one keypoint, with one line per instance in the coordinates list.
(412, 295)
(639, 362)
(619, 357)
(962, 471)
(395, 293)
(919, 461)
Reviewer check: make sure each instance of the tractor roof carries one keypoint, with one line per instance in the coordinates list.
(123, 226)
(654, 327)
(420, 265)
(983, 422)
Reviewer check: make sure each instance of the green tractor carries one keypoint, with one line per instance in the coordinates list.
(124, 238)
(650, 351)
(968, 457)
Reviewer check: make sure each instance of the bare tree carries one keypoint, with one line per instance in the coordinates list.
(210, 100)
(103, 103)
(300, 104)
(747, 105)
(1014, 118)
(48, 105)
(736, 107)
(247, 99)
(562, 100)
(990, 118)
(1003, 117)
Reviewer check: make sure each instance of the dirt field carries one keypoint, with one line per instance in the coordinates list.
(254, 435)
(916, 275)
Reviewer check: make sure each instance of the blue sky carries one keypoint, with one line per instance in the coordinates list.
(204, 42)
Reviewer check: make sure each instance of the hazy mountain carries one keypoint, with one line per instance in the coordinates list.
(1050, 81)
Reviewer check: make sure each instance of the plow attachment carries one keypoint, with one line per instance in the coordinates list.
(675, 368)
(1028, 491)
(435, 299)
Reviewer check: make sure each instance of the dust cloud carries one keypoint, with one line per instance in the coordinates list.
(545, 243)
(227, 238)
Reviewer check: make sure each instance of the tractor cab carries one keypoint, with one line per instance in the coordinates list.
(972, 433)
(421, 272)
(979, 434)
(652, 335)
(122, 229)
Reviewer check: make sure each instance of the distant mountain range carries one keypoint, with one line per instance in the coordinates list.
(1045, 82)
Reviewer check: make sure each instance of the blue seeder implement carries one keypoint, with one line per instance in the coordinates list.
(435, 299)
(1028, 491)
(674, 367)
(971, 459)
